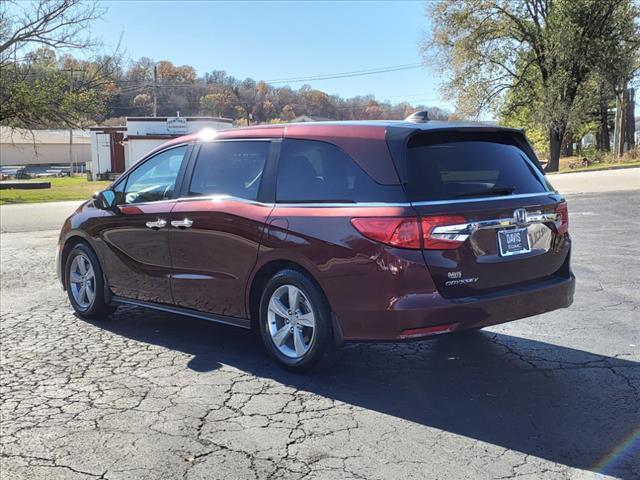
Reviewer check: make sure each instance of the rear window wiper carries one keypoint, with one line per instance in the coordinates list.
(489, 191)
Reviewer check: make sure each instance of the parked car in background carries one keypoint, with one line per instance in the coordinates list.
(323, 233)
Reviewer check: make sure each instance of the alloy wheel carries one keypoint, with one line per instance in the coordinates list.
(82, 281)
(291, 321)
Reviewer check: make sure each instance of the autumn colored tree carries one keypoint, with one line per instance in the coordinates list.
(49, 87)
(544, 51)
(220, 104)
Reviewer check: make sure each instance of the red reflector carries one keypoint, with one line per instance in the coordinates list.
(401, 232)
(427, 331)
(563, 225)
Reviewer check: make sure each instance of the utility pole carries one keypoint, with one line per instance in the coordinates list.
(631, 121)
(620, 143)
(71, 152)
(155, 90)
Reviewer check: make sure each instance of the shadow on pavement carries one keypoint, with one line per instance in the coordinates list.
(564, 405)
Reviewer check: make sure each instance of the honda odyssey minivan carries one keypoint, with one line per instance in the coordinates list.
(319, 234)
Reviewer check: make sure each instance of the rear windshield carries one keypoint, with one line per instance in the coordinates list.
(467, 166)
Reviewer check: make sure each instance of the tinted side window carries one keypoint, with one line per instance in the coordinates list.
(313, 171)
(156, 178)
(460, 168)
(230, 168)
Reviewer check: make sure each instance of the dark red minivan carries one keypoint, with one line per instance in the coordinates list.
(323, 233)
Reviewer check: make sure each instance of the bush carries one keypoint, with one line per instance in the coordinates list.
(592, 155)
(631, 155)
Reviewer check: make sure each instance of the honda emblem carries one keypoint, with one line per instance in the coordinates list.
(520, 216)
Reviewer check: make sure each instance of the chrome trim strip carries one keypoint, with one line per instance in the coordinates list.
(463, 229)
(157, 202)
(542, 217)
(233, 321)
(416, 204)
(341, 205)
(199, 198)
(191, 276)
(346, 205)
(484, 199)
(457, 237)
(221, 198)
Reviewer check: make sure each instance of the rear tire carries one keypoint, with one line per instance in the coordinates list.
(295, 321)
(84, 282)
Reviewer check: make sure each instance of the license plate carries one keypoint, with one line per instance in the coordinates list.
(513, 241)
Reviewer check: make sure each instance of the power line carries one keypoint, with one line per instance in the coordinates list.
(329, 76)
(326, 76)
(354, 73)
(196, 104)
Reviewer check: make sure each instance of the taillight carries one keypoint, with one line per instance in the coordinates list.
(401, 232)
(562, 225)
(414, 232)
(437, 237)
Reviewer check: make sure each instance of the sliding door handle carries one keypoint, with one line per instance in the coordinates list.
(186, 223)
(159, 223)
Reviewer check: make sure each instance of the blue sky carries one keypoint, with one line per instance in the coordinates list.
(272, 40)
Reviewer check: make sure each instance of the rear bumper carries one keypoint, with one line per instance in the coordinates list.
(419, 316)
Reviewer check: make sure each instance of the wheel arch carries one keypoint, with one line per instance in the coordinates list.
(268, 270)
(71, 241)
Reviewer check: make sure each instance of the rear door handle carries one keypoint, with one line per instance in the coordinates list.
(186, 223)
(159, 223)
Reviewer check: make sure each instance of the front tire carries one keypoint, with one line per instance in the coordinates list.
(84, 282)
(295, 321)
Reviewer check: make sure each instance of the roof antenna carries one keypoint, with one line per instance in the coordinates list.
(418, 117)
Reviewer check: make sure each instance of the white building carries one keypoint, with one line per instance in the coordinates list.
(588, 141)
(44, 147)
(107, 150)
(114, 149)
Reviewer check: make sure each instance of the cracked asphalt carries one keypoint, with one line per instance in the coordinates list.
(148, 395)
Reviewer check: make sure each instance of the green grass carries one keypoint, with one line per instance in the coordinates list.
(63, 188)
(601, 166)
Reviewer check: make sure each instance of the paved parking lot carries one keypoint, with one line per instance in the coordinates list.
(156, 396)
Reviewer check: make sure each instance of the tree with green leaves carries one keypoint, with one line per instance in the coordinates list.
(39, 85)
(534, 53)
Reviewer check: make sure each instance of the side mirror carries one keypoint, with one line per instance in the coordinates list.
(105, 199)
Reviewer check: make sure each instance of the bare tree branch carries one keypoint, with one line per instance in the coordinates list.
(54, 23)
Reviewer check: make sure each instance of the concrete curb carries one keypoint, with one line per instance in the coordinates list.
(582, 170)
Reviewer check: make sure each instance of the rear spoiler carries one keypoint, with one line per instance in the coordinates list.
(398, 140)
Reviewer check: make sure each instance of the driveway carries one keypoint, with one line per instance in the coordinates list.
(35, 217)
(623, 179)
(148, 395)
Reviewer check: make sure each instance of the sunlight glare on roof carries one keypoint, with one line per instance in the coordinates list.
(207, 134)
